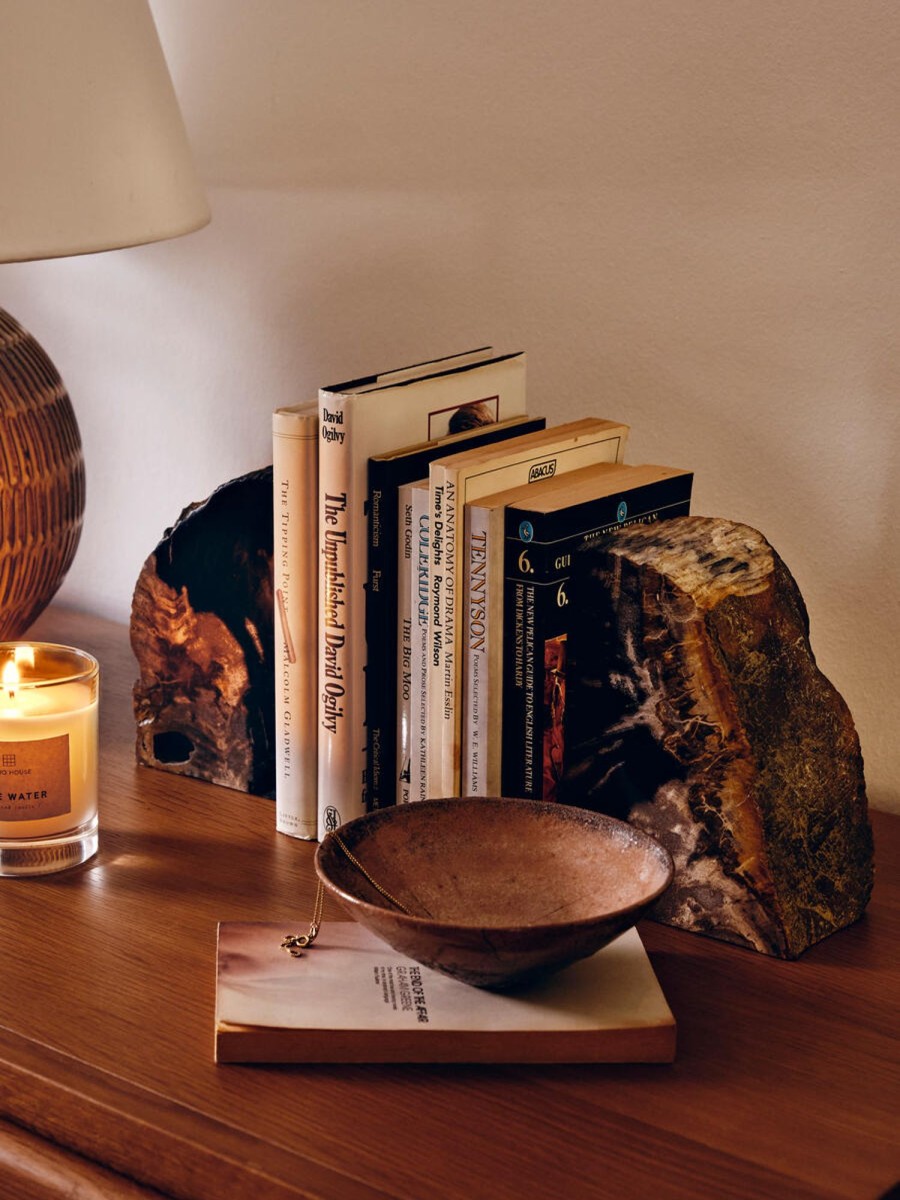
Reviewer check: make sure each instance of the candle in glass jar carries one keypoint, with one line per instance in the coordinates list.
(48, 757)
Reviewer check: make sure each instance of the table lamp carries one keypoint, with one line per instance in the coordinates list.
(93, 156)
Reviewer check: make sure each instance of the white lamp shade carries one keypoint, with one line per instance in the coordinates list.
(93, 151)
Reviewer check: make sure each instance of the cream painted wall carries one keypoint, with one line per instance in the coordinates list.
(685, 211)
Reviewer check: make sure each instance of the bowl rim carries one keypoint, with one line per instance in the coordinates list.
(413, 921)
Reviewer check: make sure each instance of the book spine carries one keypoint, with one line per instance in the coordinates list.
(382, 645)
(295, 511)
(341, 717)
(483, 658)
(405, 582)
(444, 714)
(382, 583)
(421, 517)
(537, 569)
(538, 559)
(536, 604)
(518, 690)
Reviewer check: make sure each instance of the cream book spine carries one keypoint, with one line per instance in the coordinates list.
(455, 482)
(419, 648)
(295, 472)
(483, 651)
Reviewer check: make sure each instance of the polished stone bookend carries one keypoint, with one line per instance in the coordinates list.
(202, 632)
(697, 712)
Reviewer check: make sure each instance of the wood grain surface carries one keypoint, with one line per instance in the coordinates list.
(785, 1083)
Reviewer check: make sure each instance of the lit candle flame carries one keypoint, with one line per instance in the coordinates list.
(11, 678)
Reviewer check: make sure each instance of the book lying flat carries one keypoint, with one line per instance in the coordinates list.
(351, 998)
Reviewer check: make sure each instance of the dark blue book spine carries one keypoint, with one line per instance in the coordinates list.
(539, 549)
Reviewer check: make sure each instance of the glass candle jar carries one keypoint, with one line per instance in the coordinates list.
(48, 757)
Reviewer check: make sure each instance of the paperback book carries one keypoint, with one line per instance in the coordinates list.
(351, 998)
(412, 681)
(359, 420)
(453, 483)
(542, 533)
(295, 479)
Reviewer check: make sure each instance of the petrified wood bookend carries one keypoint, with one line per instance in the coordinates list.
(202, 632)
(698, 713)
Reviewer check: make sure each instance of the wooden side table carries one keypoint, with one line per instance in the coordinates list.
(785, 1084)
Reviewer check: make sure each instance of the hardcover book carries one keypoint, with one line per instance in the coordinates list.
(453, 483)
(295, 479)
(386, 474)
(359, 420)
(351, 998)
(543, 531)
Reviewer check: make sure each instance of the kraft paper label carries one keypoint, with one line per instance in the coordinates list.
(34, 779)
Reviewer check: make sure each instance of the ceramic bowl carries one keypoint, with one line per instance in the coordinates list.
(498, 891)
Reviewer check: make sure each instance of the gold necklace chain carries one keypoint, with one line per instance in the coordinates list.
(296, 943)
(374, 882)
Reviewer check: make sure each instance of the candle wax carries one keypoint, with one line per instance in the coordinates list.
(48, 759)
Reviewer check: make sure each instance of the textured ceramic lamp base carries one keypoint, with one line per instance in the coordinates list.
(41, 479)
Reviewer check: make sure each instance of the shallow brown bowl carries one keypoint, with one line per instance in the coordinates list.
(499, 891)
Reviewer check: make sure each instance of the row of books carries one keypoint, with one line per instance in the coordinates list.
(425, 531)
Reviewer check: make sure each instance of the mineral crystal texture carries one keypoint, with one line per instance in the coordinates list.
(697, 712)
(203, 634)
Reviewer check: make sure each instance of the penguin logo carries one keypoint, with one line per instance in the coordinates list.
(332, 818)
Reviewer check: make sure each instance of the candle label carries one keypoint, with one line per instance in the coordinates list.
(34, 779)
